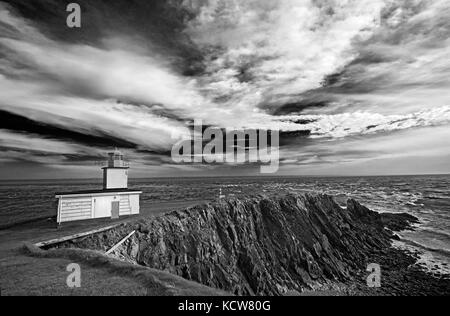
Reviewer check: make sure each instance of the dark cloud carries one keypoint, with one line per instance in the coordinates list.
(298, 107)
(22, 124)
(157, 24)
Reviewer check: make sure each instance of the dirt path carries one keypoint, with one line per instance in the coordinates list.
(15, 237)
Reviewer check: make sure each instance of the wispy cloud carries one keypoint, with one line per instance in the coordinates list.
(403, 67)
(272, 51)
(364, 123)
(333, 69)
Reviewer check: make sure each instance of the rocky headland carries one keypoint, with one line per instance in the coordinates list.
(275, 245)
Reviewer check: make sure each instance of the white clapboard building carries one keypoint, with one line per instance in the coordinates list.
(113, 201)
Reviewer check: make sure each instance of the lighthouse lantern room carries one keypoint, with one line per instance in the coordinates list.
(113, 201)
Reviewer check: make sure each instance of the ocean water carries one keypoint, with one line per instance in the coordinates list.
(426, 197)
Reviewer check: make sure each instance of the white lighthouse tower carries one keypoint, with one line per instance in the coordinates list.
(114, 200)
(115, 174)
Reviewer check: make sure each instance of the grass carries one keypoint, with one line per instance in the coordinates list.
(38, 272)
(22, 275)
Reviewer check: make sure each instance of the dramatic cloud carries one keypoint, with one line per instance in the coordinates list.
(323, 72)
(402, 68)
(362, 123)
(266, 51)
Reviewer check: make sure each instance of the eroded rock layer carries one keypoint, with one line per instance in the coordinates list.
(257, 246)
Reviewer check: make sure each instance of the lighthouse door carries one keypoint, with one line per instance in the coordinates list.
(115, 209)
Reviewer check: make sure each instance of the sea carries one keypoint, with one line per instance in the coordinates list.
(426, 197)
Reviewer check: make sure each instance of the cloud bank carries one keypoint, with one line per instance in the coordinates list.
(322, 70)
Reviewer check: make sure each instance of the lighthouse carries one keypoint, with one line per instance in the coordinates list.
(115, 174)
(114, 200)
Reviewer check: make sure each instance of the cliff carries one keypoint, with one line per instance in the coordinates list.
(259, 246)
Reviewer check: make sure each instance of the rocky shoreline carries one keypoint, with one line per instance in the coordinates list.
(275, 245)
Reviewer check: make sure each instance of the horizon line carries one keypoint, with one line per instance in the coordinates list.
(237, 176)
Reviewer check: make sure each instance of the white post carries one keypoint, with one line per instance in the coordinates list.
(120, 243)
(92, 207)
(58, 216)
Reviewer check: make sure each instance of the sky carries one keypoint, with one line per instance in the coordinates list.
(355, 87)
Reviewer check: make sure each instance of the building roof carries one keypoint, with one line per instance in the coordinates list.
(109, 191)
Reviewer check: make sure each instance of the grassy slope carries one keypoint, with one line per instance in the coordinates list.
(24, 275)
(31, 271)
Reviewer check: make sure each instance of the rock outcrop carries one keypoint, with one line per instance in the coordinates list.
(257, 246)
